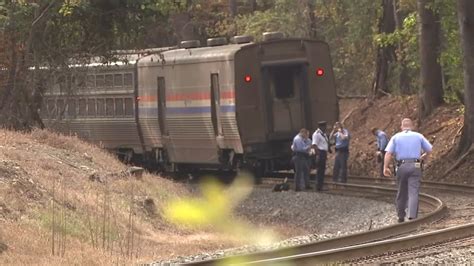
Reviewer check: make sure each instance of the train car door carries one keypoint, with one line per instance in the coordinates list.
(216, 105)
(286, 86)
(162, 106)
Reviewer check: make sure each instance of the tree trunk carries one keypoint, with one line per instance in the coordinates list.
(466, 25)
(253, 5)
(233, 8)
(431, 80)
(312, 33)
(403, 78)
(18, 109)
(386, 54)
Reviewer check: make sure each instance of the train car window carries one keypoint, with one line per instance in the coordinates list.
(71, 108)
(90, 81)
(128, 79)
(44, 109)
(283, 81)
(91, 107)
(51, 108)
(109, 107)
(118, 80)
(100, 107)
(61, 107)
(61, 82)
(81, 82)
(100, 81)
(109, 80)
(71, 81)
(119, 107)
(129, 107)
(82, 107)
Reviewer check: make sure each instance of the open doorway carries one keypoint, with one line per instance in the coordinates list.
(286, 96)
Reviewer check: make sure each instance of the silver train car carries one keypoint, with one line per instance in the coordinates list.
(223, 106)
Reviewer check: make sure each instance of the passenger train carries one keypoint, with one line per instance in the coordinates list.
(222, 106)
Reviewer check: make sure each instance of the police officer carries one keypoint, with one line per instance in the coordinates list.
(301, 147)
(321, 147)
(382, 141)
(342, 137)
(411, 149)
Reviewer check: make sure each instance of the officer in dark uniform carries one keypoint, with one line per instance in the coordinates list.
(410, 149)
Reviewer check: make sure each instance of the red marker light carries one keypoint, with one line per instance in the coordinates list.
(319, 72)
(248, 78)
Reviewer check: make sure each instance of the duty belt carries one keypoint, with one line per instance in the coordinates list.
(400, 162)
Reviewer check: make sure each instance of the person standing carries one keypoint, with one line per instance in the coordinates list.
(301, 147)
(382, 141)
(321, 146)
(342, 137)
(411, 149)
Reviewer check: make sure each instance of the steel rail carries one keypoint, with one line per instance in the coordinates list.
(370, 249)
(425, 184)
(437, 211)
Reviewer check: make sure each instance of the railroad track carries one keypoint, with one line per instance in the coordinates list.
(386, 181)
(352, 248)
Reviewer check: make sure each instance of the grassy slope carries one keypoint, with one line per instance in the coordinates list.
(42, 169)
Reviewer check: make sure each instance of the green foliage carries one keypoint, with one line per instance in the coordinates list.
(345, 25)
(286, 16)
(451, 57)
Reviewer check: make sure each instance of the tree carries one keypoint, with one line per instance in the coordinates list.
(253, 5)
(403, 78)
(309, 11)
(44, 36)
(431, 94)
(385, 54)
(233, 8)
(466, 25)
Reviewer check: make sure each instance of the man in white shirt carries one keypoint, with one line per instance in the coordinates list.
(321, 146)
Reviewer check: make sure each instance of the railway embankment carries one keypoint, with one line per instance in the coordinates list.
(64, 201)
(443, 128)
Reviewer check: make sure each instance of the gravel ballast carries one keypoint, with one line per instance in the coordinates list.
(316, 216)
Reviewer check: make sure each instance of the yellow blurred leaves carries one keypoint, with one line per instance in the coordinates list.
(215, 209)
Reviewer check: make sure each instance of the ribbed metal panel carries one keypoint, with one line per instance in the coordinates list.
(185, 127)
(151, 132)
(230, 128)
(111, 133)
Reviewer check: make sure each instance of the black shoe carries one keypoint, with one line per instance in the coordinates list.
(297, 190)
(401, 220)
(309, 187)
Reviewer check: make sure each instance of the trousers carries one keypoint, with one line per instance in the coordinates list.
(340, 166)
(321, 169)
(301, 171)
(381, 163)
(408, 181)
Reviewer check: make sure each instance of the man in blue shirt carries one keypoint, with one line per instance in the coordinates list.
(410, 149)
(342, 138)
(301, 147)
(382, 141)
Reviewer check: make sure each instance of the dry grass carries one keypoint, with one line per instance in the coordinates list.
(49, 206)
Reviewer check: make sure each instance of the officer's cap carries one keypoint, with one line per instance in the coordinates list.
(322, 123)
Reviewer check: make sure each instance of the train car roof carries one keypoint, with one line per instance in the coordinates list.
(192, 55)
(122, 58)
